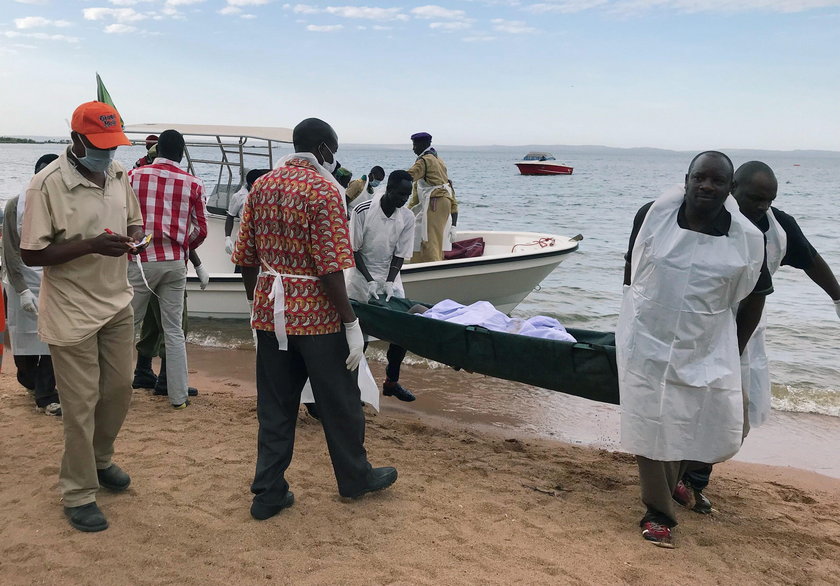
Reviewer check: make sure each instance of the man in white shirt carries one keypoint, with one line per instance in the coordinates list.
(383, 237)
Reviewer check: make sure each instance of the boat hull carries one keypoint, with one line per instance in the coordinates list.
(543, 168)
(514, 263)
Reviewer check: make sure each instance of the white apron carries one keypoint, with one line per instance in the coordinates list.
(367, 385)
(23, 326)
(421, 212)
(380, 236)
(755, 370)
(676, 340)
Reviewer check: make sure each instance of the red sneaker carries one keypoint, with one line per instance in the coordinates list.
(684, 495)
(659, 535)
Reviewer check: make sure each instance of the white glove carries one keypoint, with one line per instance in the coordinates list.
(453, 234)
(389, 290)
(373, 289)
(228, 245)
(203, 276)
(356, 343)
(28, 302)
(837, 307)
(251, 317)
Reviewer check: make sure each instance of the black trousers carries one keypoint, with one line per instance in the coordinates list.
(280, 379)
(36, 373)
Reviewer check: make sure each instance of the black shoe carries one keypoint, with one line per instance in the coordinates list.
(163, 390)
(262, 511)
(87, 518)
(312, 409)
(113, 478)
(144, 379)
(395, 389)
(377, 479)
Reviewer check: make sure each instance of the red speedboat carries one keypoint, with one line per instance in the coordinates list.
(542, 164)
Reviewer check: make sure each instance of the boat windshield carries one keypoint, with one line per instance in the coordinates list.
(222, 155)
(535, 156)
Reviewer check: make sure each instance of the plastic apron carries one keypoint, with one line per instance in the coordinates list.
(421, 212)
(367, 385)
(755, 369)
(22, 325)
(676, 342)
(380, 234)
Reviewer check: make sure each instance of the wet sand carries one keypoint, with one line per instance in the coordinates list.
(476, 502)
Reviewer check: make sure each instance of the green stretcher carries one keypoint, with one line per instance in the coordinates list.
(584, 369)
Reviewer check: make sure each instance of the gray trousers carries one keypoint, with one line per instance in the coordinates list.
(658, 481)
(168, 280)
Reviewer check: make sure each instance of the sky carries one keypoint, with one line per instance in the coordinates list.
(674, 74)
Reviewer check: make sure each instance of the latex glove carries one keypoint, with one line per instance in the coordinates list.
(453, 234)
(250, 318)
(389, 290)
(28, 302)
(373, 289)
(228, 245)
(356, 343)
(203, 276)
(837, 307)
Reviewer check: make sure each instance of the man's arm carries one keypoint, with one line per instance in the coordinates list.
(821, 274)
(749, 314)
(198, 219)
(249, 279)
(360, 265)
(59, 253)
(228, 225)
(336, 292)
(11, 249)
(394, 269)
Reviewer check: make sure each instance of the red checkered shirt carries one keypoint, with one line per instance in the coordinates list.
(172, 202)
(294, 221)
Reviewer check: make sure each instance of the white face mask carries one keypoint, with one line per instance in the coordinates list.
(375, 182)
(331, 167)
(97, 160)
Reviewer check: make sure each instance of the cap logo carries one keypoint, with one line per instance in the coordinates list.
(108, 120)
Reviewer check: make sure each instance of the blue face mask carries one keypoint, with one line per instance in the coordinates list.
(97, 160)
(375, 182)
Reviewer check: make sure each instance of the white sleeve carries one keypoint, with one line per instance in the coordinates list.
(405, 241)
(357, 221)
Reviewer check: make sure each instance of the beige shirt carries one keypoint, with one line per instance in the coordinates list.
(80, 296)
(354, 188)
(431, 168)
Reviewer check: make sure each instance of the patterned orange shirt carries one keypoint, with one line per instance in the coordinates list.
(294, 221)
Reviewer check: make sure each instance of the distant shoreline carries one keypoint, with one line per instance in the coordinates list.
(15, 140)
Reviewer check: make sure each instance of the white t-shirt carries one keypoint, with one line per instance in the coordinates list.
(237, 201)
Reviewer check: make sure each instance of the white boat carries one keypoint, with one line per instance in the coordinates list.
(512, 265)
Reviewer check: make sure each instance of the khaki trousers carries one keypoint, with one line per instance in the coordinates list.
(94, 383)
(440, 208)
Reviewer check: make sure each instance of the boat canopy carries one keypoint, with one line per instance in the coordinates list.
(231, 145)
(538, 156)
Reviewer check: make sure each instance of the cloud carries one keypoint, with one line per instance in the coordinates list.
(432, 11)
(119, 29)
(366, 12)
(183, 2)
(122, 15)
(241, 3)
(230, 10)
(325, 28)
(456, 25)
(479, 39)
(684, 6)
(38, 21)
(31, 1)
(565, 6)
(512, 27)
(40, 36)
(302, 8)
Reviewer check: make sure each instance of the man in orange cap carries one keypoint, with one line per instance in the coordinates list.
(81, 220)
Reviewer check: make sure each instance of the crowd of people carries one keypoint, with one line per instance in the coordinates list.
(94, 254)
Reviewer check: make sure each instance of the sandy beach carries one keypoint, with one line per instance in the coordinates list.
(473, 504)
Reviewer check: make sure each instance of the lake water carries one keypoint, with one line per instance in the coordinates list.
(599, 201)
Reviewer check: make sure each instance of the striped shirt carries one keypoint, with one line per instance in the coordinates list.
(172, 203)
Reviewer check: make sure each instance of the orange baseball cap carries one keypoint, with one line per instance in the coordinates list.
(100, 124)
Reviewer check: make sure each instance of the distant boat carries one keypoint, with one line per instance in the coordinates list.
(536, 163)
